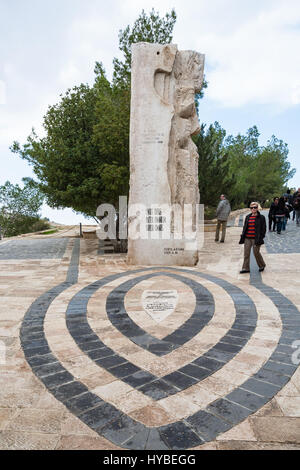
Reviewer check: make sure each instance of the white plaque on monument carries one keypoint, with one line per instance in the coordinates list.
(159, 304)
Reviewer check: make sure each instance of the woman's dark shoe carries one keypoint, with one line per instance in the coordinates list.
(244, 271)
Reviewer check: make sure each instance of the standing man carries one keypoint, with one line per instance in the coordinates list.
(223, 211)
(295, 196)
(271, 215)
(297, 209)
(253, 235)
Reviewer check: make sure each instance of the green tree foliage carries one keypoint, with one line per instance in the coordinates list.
(213, 164)
(19, 208)
(66, 161)
(260, 172)
(241, 168)
(111, 133)
(83, 160)
(150, 28)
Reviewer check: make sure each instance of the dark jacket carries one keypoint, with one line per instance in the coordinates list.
(272, 210)
(296, 204)
(280, 209)
(260, 229)
(223, 210)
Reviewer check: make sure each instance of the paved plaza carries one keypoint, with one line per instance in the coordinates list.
(84, 366)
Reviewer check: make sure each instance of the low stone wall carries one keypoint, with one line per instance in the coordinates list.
(235, 214)
(89, 234)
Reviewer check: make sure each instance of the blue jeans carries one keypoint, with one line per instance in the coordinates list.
(279, 223)
(284, 222)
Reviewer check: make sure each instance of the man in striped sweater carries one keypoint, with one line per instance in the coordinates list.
(254, 231)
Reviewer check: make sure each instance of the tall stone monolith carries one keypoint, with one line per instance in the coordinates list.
(164, 192)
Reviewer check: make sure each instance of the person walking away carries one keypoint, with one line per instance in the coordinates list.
(290, 201)
(297, 210)
(223, 211)
(287, 212)
(294, 197)
(289, 197)
(280, 214)
(271, 214)
(253, 235)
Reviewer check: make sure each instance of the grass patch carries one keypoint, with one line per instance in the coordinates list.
(209, 212)
(49, 232)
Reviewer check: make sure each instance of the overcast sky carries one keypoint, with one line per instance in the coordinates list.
(252, 64)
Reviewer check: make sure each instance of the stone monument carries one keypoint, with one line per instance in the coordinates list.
(164, 194)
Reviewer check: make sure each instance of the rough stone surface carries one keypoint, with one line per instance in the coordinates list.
(163, 157)
(33, 249)
(51, 310)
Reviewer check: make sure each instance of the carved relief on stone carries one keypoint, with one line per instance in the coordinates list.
(188, 75)
(163, 157)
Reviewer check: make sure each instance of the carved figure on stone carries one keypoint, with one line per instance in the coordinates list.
(163, 157)
(188, 74)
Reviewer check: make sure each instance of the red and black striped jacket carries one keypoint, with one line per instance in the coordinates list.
(260, 228)
(251, 227)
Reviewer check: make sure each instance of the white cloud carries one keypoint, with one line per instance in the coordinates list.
(252, 54)
(69, 74)
(89, 38)
(296, 93)
(65, 216)
(257, 61)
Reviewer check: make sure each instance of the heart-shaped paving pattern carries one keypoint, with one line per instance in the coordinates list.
(118, 316)
(173, 304)
(201, 426)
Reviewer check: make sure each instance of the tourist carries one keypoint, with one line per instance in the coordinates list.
(223, 211)
(289, 209)
(296, 207)
(286, 216)
(253, 235)
(289, 197)
(271, 215)
(280, 214)
(295, 195)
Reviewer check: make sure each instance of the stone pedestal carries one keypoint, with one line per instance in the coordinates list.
(163, 157)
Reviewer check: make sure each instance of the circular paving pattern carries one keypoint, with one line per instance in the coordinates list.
(202, 423)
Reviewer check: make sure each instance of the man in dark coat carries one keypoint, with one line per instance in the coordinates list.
(271, 215)
(253, 235)
(294, 197)
(297, 209)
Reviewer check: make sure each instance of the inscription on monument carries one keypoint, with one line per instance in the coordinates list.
(155, 220)
(173, 251)
(152, 137)
(159, 303)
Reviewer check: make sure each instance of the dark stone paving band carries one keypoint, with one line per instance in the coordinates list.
(241, 220)
(119, 317)
(119, 428)
(190, 374)
(49, 248)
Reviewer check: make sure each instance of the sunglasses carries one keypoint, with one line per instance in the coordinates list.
(254, 207)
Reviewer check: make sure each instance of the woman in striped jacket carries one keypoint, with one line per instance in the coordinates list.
(253, 235)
